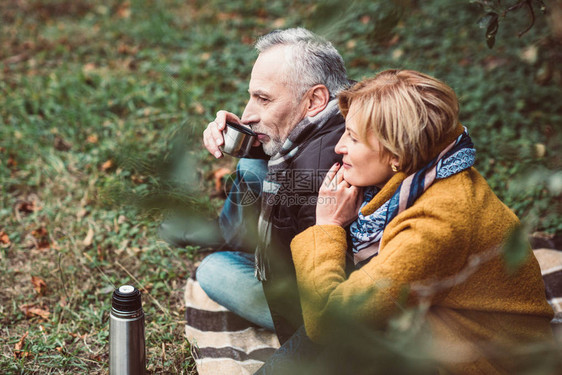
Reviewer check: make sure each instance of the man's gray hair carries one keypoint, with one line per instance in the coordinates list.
(311, 60)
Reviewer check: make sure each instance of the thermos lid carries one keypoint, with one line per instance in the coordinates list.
(241, 128)
(126, 298)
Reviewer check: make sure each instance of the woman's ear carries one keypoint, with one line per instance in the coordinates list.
(394, 163)
(317, 99)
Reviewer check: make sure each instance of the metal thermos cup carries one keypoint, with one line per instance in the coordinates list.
(238, 140)
(126, 333)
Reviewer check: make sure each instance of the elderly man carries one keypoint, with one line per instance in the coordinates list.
(293, 110)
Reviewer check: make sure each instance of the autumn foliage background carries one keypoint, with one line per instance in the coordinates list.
(102, 107)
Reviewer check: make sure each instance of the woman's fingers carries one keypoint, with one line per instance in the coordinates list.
(338, 202)
(328, 183)
(339, 177)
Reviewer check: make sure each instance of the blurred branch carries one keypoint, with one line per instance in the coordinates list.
(495, 12)
(530, 10)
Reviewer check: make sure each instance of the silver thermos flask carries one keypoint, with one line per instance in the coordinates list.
(126, 333)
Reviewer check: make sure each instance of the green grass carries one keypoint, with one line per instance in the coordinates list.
(102, 106)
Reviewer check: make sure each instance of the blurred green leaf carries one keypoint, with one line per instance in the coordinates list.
(485, 20)
(492, 30)
(516, 249)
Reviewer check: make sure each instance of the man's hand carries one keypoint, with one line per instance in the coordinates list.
(338, 202)
(213, 137)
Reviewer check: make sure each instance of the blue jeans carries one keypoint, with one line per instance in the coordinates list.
(228, 279)
(238, 220)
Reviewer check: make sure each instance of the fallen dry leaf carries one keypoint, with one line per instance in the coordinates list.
(101, 253)
(124, 10)
(138, 179)
(81, 213)
(39, 284)
(18, 353)
(146, 288)
(92, 138)
(12, 163)
(106, 165)
(127, 50)
(351, 43)
(41, 238)
(540, 150)
(30, 310)
(39, 232)
(61, 144)
(76, 335)
(248, 40)
(26, 206)
(89, 67)
(4, 238)
(218, 177)
(89, 237)
(279, 23)
(198, 108)
(40, 312)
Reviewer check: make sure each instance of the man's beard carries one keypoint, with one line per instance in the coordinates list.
(273, 146)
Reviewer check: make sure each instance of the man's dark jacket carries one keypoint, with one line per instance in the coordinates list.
(295, 211)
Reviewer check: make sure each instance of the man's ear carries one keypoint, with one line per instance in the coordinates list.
(317, 99)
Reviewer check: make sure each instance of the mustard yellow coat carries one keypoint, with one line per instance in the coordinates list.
(445, 250)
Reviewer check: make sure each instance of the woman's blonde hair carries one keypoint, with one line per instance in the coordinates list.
(409, 112)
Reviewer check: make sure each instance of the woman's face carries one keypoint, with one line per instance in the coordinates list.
(364, 164)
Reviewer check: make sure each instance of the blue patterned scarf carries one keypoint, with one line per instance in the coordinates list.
(366, 231)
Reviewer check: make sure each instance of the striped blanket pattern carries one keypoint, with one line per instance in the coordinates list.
(224, 343)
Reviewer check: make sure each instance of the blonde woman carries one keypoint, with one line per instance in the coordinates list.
(425, 229)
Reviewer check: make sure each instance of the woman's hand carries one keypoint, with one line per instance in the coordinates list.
(338, 202)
